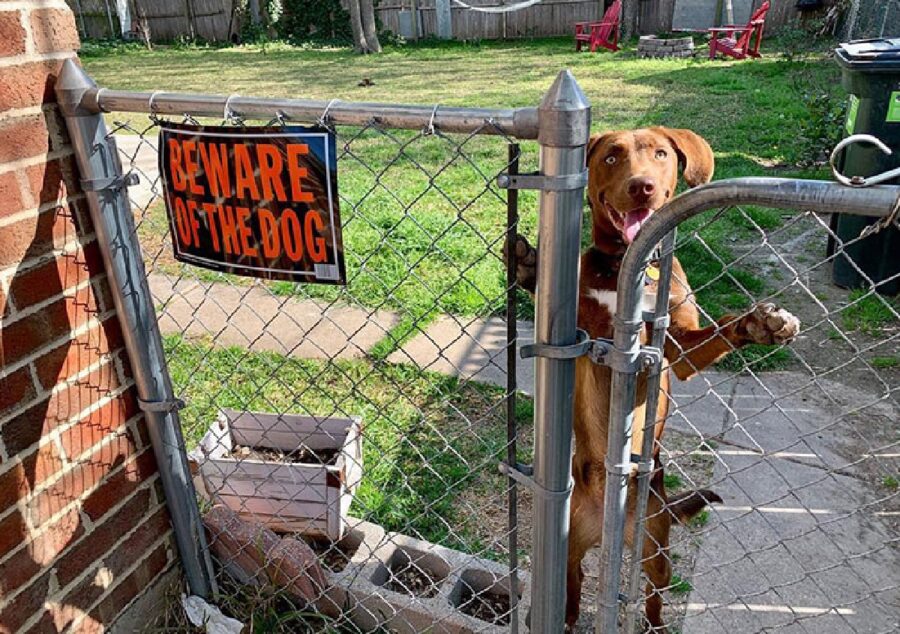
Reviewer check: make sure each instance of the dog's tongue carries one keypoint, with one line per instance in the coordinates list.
(633, 222)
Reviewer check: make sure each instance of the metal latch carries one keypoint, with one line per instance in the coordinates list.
(600, 351)
(861, 181)
(536, 180)
(164, 406)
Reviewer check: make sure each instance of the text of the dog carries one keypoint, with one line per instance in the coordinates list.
(254, 201)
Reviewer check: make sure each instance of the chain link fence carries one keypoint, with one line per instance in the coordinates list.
(366, 420)
(799, 440)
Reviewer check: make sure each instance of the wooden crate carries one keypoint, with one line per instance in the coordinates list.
(311, 499)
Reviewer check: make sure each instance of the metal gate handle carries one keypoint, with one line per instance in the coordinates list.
(861, 181)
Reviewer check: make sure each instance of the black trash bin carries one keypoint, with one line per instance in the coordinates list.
(871, 74)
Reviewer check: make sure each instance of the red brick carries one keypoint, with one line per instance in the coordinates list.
(12, 532)
(86, 592)
(34, 469)
(10, 195)
(120, 485)
(102, 539)
(98, 425)
(54, 538)
(22, 137)
(27, 85)
(54, 30)
(74, 356)
(12, 35)
(16, 388)
(26, 605)
(140, 541)
(30, 334)
(84, 476)
(37, 235)
(132, 586)
(42, 282)
(17, 570)
(53, 181)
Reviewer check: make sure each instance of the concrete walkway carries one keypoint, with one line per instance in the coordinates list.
(804, 542)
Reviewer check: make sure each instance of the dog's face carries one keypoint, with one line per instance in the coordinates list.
(633, 173)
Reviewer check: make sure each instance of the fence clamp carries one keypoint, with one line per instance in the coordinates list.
(600, 351)
(536, 180)
(603, 352)
(165, 406)
(114, 183)
(522, 473)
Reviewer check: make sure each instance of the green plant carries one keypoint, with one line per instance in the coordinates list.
(314, 21)
(679, 585)
(890, 482)
(883, 363)
(672, 480)
(701, 519)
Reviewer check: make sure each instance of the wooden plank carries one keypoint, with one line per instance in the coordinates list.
(283, 509)
(255, 469)
(287, 431)
(272, 489)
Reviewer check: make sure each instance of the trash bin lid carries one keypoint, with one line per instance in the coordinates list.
(874, 56)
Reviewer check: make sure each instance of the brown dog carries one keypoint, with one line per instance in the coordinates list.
(632, 174)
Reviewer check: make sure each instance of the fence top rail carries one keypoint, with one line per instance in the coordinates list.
(521, 123)
(779, 193)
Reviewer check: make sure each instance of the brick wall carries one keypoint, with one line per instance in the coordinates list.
(83, 528)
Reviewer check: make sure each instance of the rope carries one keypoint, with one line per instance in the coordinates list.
(509, 9)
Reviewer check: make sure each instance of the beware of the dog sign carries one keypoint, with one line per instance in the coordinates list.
(255, 201)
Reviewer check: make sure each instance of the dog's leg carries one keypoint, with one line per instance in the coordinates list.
(690, 348)
(586, 522)
(526, 263)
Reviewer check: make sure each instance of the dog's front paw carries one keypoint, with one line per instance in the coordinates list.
(526, 263)
(769, 324)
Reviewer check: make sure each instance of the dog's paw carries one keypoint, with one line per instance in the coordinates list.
(526, 263)
(769, 324)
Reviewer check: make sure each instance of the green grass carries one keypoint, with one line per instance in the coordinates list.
(890, 482)
(672, 481)
(701, 519)
(427, 437)
(447, 230)
(680, 586)
(884, 363)
(869, 312)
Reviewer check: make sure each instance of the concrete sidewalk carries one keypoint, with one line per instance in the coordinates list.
(804, 542)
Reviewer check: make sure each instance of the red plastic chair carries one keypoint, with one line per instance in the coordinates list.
(739, 42)
(604, 33)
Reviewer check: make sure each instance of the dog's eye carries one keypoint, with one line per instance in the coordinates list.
(661, 154)
(610, 159)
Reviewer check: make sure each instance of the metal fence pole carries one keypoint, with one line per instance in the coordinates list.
(116, 238)
(564, 118)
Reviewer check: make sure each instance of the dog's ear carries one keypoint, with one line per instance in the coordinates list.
(593, 145)
(694, 155)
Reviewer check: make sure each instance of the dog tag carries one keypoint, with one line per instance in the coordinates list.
(652, 272)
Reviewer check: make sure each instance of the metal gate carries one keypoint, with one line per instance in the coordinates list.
(799, 440)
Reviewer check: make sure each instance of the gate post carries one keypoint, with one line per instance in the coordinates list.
(104, 188)
(564, 119)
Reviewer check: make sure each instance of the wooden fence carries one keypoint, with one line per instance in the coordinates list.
(168, 19)
(549, 17)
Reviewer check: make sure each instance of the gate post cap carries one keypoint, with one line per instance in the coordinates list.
(564, 114)
(71, 86)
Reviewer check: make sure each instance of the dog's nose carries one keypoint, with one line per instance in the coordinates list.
(640, 188)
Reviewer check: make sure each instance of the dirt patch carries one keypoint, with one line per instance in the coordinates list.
(486, 605)
(301, 455)
(413, 580)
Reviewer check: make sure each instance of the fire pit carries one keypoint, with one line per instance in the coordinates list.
(652, 46)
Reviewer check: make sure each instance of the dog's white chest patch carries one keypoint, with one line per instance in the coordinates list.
(607, 299)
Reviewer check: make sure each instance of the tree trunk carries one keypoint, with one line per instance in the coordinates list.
(253, 6)
(359, 38)
(367, 9)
